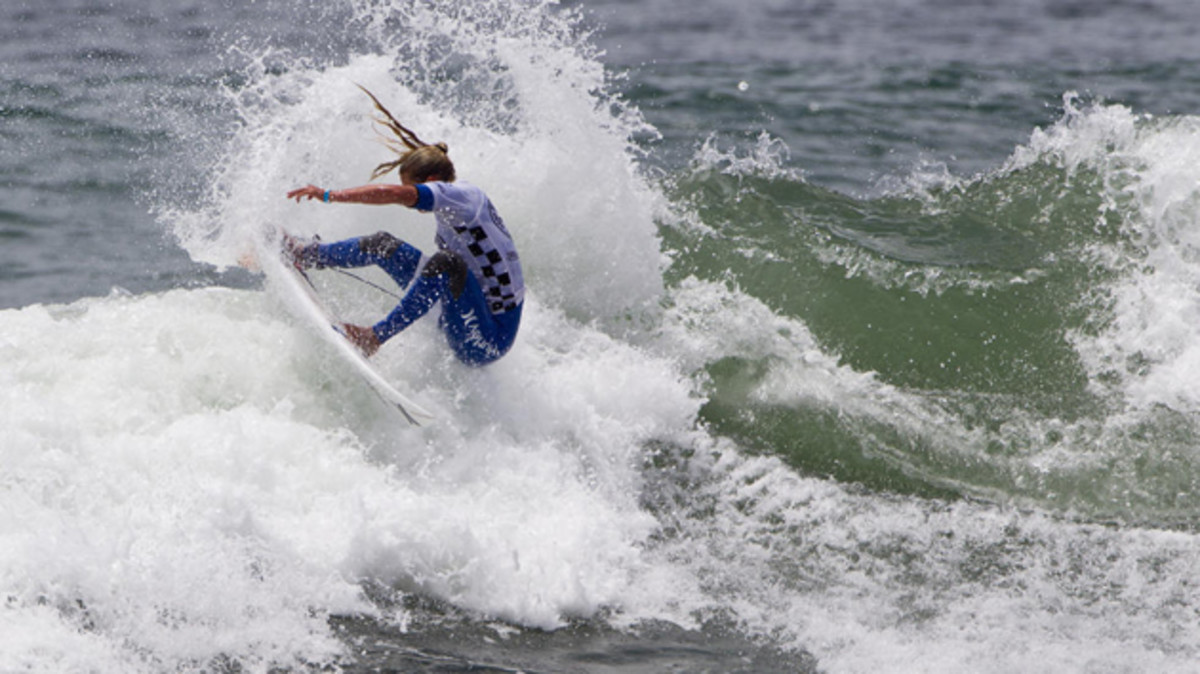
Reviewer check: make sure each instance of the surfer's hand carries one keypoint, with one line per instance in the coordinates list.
(307, 192)
(363, 338)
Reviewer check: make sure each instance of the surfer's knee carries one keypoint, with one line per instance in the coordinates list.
(380, 244)
(450, 264)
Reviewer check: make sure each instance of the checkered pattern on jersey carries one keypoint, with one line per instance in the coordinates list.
(497, 282)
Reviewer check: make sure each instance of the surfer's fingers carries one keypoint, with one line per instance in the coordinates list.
(309, 191)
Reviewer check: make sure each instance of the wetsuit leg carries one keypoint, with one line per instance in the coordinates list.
(476, 336)
(394, 256)
(442, 275)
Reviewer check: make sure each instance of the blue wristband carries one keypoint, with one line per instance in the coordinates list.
(326, 196)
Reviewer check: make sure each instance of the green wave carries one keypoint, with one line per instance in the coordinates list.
(964, 301)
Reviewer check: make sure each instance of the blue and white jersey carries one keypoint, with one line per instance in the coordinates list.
(468, 224)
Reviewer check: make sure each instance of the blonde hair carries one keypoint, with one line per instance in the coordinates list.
(418, 160)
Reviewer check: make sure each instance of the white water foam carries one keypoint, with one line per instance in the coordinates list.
(1151, 172)
(180, 482)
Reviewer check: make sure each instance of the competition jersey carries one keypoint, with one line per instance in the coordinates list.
(468, 224)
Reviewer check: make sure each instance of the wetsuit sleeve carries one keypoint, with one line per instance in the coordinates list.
(424, 198)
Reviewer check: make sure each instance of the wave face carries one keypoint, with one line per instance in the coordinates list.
(750, 420)
(1026, 333)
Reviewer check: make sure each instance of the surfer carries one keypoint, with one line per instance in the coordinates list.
(475, 273)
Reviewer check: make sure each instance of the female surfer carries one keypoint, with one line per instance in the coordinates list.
(475, 273)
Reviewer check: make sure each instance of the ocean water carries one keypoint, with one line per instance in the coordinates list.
(860, 337)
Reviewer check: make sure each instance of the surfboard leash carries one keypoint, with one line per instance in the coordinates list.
(360, 279)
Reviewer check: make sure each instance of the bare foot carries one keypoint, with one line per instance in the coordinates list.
(362, 337)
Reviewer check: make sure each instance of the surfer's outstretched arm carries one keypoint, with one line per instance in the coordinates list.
(403, 195)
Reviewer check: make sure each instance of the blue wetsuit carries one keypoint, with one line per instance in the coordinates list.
(476, 273)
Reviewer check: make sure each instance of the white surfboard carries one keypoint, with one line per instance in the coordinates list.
(302, 298)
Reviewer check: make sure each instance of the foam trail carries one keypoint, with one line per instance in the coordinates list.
(192, 510)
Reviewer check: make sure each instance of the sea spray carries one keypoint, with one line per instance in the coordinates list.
(522, 104)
